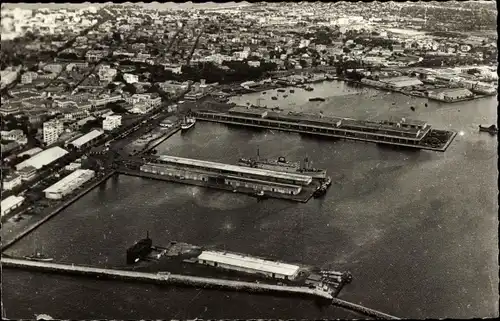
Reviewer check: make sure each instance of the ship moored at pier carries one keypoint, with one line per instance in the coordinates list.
(282, 165)
(400, 132)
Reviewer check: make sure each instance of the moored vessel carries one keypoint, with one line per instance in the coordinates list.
(139, 250)
(490, 129)
(282, 165)
(317, 99)
(187, 123)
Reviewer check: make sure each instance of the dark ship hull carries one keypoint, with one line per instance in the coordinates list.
(139, 250)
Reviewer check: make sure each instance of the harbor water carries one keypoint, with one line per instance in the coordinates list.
(417, 229)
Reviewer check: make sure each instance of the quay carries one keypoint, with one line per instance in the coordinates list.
(160, 278)
(155, 142)
(55, 211)
(218, 181)
(396, 132)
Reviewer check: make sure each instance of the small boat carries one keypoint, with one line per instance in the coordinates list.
(491, 129)
(38, 255)
(412, 108)
(319, 192)
(274, 98)
(284, 96)
(425, 104)
(308, 88)
(292, 91)
(317, 99)
(281, 90)
(263, 92)
(187, 123)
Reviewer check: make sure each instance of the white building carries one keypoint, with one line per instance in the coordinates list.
(16, 135)
(11, 203)
(51, 131)
(46, 157)
(69, 183)
(28, 77)
(87, 139)
(130, 79)
(247, 264)
(112, 122)
(11, 182)
(106, 74)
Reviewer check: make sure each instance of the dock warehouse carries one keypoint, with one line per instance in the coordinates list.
(46, 157)
(86, 139)
(247, 264)
(69, 183)
(11, 203)
(234, 181)
(241, 171)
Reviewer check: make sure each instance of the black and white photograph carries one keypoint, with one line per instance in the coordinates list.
(249, 160)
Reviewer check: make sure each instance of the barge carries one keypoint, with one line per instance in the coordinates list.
(396, 132)
(317, 99)
(492, 130)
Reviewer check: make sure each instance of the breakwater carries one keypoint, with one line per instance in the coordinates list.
(53, 212)
(161, 278)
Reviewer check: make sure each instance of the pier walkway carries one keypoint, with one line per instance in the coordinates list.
(363, 310)
(352, 129)
(159, 278)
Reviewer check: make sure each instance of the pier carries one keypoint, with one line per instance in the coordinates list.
(363, 310)
(160, 278)
(399, 133)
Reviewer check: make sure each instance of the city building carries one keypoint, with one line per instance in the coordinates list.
(450, 94)
(10, 182)
(11, 203)
(247, 264)
(112, 122)
(28, 77)
(52, 130)
(69, 183)
(15, 135)
(130, 78)
(27, 173)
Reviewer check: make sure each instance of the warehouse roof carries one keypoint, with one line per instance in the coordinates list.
(248, 262)
(10, 202)
(43, 158)
(79, 175)
(87, 138)
(236, 169)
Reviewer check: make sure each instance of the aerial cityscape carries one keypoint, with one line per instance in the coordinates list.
(249, 160)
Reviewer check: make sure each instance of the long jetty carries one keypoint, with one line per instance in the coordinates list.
(159, 278)
(363, 310)
(327, 128)
(56, 210)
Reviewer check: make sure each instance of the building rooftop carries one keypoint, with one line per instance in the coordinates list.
(9, 202)
(79, 175)
(236, 169)
(87, 138)
(43, 158)
(31, 152)
(248, 262)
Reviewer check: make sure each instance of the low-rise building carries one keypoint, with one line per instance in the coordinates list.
(11, 181)
(450, 94)
(87, 139)
(69, 183)
(11, 203)
(46, 157)
(27, 173)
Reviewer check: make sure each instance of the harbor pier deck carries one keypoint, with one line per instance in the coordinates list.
(161, 278)
(415, 135)
(363, 310)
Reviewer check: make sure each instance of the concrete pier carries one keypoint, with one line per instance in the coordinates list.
(160, 278)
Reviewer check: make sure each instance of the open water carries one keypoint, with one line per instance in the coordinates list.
(418, 230)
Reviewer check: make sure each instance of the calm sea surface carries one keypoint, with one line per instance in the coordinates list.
(418, 230)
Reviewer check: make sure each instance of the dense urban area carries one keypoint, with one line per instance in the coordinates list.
(86, 88)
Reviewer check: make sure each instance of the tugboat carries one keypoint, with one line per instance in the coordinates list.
(139, 250)
(309, 88)
(38, 256)
(187, 123)
(492, 130)
(323, 187)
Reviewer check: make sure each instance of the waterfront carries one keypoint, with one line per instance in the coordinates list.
(418, 230)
